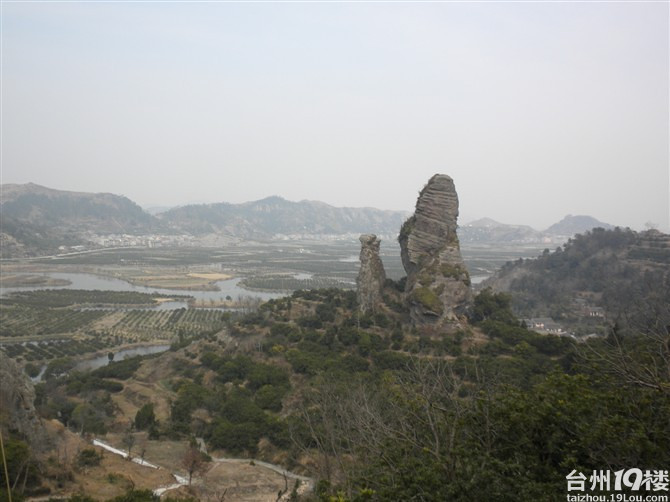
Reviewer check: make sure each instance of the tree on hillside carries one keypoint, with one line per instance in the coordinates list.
(494, 307)
(194, 461)
(128, 440)
(640, 359)
(145, 417)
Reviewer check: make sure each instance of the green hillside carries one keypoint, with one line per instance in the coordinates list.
(625, 273)
(374, 409)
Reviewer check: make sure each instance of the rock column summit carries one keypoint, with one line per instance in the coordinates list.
(437, 290)
(371, 275)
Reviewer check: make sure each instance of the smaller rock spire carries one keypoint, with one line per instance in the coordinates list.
(371, 276)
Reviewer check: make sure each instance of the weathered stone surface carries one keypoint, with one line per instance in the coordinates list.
(371, 275)
(437, 290)
(17, 411)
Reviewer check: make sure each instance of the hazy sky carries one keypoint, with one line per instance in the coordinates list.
(536, 109)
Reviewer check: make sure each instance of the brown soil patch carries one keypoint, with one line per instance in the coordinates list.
(113, 477)
(163, 300)
(108, 321)
(11, 281)
(478, 338)
(211, 276)
(166, 454)
(186, 282)
(241, 482)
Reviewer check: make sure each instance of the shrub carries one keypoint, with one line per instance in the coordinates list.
(32, 370)
(122, 370)
(145, 417)
(389, 360)
(269, 397)
(428, 299)
(88, 457)
(266, 374)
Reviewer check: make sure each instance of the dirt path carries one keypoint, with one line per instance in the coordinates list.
(273, 467)
(245, 479)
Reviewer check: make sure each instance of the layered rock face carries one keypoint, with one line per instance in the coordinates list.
(438, 284)
(371, 275)
(17, 411)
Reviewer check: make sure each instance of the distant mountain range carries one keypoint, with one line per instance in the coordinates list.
(38, 220)
(571, 225)
(488, 231)
(274, 217)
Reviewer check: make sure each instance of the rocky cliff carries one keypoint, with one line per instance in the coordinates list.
(17, 411)
(437, 290)
(371, 275)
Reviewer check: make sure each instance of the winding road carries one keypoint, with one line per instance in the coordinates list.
(182, 481)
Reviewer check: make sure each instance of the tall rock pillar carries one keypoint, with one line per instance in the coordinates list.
(371, 275)
(437, 290)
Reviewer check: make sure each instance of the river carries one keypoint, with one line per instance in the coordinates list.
(100, 361)
(96, 362)
(91, 282)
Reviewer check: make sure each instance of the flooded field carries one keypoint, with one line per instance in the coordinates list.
(307, 263)
(91, 282)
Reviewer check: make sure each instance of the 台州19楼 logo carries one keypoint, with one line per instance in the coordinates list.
(637, 486)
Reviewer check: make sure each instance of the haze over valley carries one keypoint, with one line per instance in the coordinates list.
(38, 220)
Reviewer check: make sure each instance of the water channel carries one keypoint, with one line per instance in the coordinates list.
(92, 363)
(120, 355)
(92, 282)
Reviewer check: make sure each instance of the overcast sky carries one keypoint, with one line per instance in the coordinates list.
(537, 110)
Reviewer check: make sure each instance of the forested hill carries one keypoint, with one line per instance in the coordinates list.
(489, 231)
(571, 225)
(274, 216)
(624, 272)
(37, 220)
(99, 212)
